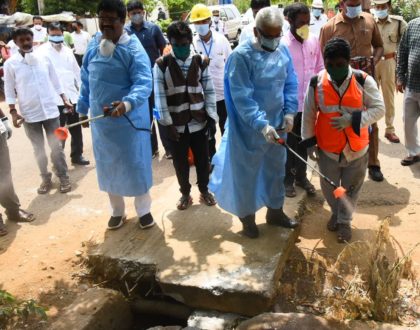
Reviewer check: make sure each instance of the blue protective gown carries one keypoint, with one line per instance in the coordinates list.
(260, 88)
(123, 155)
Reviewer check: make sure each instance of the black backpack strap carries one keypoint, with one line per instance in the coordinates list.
(360, 77)
(162, 62)
(314, 82)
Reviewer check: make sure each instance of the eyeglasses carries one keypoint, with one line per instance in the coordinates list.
(110, 20)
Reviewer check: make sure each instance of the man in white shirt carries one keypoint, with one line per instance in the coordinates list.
(81, 40)
(33, 81)
(248, 31)
(217, 48)
(318, 18)
(40, 33)
(217, 24)
(68, 72)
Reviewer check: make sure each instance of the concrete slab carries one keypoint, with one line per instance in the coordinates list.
(96, 309)
(197, 256)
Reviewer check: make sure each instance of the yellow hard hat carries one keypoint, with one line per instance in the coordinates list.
(200, 12)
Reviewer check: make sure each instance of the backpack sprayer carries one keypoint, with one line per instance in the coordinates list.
(62, 133)
(339, 191)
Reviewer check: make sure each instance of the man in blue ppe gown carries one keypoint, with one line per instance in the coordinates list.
(261, 92)
(116, 79)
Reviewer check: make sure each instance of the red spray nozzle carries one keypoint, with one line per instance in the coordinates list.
(61, 133)
(339, 192)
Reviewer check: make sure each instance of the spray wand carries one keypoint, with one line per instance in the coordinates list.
(339, 191)
(62, 133)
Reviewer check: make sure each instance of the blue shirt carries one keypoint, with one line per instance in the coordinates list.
(151, 37)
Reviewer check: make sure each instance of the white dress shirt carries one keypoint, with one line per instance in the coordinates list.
(33, 82)
(220, 26)
(219, 50)
(13, 47)
(81, 41)
(39, 35)
(247, 33)
(67, 69)
(316, 24)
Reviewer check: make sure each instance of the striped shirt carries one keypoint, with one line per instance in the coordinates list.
(160, 96)
(408, 65)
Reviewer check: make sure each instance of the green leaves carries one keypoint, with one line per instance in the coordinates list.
(14, 311)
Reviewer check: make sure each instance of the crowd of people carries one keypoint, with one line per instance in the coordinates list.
(297, 85)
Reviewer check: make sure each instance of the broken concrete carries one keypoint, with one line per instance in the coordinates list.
(198, 258)
(300, 321)
(96, 309)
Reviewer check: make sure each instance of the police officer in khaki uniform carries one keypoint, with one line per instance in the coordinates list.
(392, 28)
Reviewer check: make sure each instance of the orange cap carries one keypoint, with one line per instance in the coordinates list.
(339, 192)
(61, 133)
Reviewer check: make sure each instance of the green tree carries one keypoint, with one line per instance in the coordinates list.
(79, 7)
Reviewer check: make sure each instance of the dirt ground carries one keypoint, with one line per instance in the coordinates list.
(40, 260)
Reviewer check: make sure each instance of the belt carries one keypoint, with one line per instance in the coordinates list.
(388, 56)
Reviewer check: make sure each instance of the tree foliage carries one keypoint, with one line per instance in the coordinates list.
(79, 7)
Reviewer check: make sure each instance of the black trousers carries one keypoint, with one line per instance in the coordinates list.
(295, 168)
(75, 132)
(198, 142)
(8, 197)
(222, 113)
(163, 131)
(79, 59)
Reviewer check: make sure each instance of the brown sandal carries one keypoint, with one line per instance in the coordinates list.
(410, 160)
(208, 199)
(184, 202)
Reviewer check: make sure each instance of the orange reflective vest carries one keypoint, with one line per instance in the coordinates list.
(329, 102)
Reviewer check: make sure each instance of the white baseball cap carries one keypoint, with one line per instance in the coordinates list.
(317, 4)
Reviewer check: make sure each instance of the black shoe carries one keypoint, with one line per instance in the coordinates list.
(155, 154)
(290, 190)
(276, 217)
(45, 187)
(168, 155)
(343, 233)
(146, 221)
(80, 161)
(249, 226)
(375, 173)
(332, 224)
(116, 222)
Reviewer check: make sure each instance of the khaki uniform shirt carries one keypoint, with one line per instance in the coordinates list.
(362, 33)
(389, 32)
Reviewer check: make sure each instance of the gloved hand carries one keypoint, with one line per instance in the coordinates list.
(270, 134)
(288, 123)
(6, 128)
(313, 153)
(81, 118)
(341, 122)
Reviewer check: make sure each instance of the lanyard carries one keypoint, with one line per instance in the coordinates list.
(205, 48)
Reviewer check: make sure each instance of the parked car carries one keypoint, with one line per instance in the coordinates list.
(232, 18)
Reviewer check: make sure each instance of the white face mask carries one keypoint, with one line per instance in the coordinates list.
(38, 27)
(106, 48)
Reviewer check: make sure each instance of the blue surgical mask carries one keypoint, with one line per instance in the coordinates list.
(202, 29)
(270, 45)
(381, 14)
(353, 12)
(316, 12)
(137, 19)
(56, 39)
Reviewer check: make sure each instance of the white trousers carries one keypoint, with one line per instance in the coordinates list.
(142, 204)
(411, 116)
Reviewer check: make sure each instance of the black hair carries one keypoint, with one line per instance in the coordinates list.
(37, 17)
(179, 30)
(293, 10)
(80, 24)
(22, 31)
(258, 4)
(337, 48)
(135, 4)
(113, 6)
(54, 26)
(285, 11)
